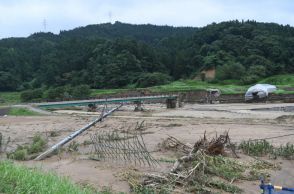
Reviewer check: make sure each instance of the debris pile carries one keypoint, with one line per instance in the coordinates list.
(205, 169)
(172, 143)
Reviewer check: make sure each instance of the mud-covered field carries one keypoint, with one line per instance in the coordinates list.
(187, 124)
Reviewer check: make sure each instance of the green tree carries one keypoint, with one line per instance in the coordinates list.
(152, 79)
(81, 91)
(7, 81)
(31, 95)
(230, 71)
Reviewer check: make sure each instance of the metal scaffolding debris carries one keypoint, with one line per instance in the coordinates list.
(129, 148)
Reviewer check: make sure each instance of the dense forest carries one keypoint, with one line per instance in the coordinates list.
(124, 55)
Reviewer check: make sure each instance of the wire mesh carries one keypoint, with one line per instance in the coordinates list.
(127, 148)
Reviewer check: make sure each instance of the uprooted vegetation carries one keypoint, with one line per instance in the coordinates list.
(204, 173)
(172, 143)
(26, 152)
(210, 166)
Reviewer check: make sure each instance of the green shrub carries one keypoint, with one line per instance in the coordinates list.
(81, 91)
(230, 71)
(68, 92)
(31, 95)
(38, 144)
(152, 79)
(254, 74)
(55, 93)
(21, 153)
(249, 79)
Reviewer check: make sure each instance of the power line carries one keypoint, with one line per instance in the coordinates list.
(45, 24)
(274, 137)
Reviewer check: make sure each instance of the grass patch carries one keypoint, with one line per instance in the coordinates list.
(22, 112)
(285, 80)
(7, 98)
(225, 168)
(284, 83)
(256, 148)
(73, 147)
(285, 151)
(194, 85)
(95, 92)
(264, 148)
(180, 86)
(19, 179)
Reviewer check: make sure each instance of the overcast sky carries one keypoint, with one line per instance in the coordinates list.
(19, 18)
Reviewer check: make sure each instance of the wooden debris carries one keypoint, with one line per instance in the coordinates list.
(203, 169)
(172, 143)
(216, 146)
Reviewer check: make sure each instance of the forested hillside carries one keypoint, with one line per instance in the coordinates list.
(120, 55)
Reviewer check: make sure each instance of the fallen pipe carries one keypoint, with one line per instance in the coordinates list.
(75, 134)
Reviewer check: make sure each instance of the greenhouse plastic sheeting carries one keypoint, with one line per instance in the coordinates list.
(259, 91)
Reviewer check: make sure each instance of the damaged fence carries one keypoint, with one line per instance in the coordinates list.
(129, 148)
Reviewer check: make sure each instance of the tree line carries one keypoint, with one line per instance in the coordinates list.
(124, 55)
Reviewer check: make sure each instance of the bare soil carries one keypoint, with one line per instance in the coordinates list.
(244, 121)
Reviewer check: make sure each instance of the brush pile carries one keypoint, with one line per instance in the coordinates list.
(173, 144)
(205, 169)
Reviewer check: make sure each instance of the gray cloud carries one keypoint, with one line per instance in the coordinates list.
(24, 17)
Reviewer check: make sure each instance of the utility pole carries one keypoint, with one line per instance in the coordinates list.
(110, 16)
(44, 24)
(76, 133)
